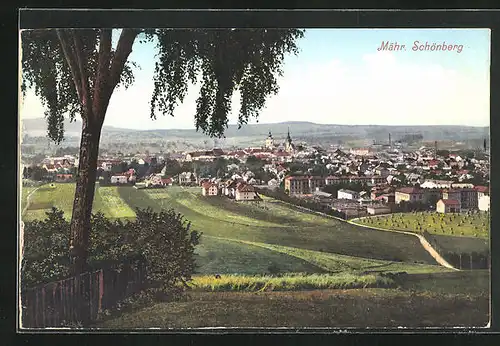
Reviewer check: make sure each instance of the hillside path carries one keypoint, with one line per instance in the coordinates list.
(425, 244)
(428, 247)
(28, 200)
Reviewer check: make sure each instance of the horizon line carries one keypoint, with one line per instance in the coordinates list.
(286, 122)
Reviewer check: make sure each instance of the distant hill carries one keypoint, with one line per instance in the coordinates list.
(300, 131)
(38, 127)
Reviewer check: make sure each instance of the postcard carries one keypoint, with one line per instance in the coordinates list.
(254, 178)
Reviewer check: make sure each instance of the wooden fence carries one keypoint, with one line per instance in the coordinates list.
(79, 298)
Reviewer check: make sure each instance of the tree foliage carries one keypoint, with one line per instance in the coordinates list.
(163, 240)
(46, 71)
(222, 60)
(227, 59)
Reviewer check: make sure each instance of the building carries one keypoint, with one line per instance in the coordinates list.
(448, 206)
(408, 194)
(482, 191)
(298, 185)
(484, 203)
(270, 141)
(187, 178)
(347, 194)
(289, 146)
(315, 183)
(377, 209)
(245, 192)
(64, 177)
(119, 179)
(209, 189)
(436, 184)
(467, 197)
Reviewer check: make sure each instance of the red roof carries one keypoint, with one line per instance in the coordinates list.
(300, 177)
(450, 201)
(166, 180)
(208, 184)
(483, 189)
(245, 188)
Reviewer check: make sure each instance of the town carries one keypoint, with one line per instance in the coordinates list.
(352, 182)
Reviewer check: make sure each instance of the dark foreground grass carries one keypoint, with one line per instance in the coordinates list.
(357, 308)
(471, 282)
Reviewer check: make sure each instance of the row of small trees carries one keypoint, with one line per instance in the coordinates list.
(309, 204)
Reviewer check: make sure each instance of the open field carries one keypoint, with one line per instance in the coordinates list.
(453, 232)
(315, 233)
(331, 262)
(373, 307)
(221, 256)
(106, 200)
(24, 195)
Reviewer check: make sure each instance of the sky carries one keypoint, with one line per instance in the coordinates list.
(340, 77)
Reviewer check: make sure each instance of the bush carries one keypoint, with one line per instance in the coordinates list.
(162, 240)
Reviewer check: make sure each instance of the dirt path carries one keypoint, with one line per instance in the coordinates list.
(28, 200)
(425, 244)
(428, 247)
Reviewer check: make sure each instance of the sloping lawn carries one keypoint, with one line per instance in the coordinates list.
(328, 235)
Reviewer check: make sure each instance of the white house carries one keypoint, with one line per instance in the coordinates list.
(245, 192)
(377, 209)
(210, 189)
(484, 203)
(119, 179)
(347, 194)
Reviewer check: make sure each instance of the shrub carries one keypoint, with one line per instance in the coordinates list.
(163, 240)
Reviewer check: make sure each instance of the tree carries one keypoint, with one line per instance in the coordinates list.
(75, 72)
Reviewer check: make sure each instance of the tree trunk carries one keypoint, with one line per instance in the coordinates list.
(84, 194)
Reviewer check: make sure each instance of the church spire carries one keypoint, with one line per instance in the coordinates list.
(288, 136)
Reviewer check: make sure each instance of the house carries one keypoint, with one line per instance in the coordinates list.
(482, 191)
(64, 177)
(433, 184)
(467, 197)
(187, 178)
(209, 189)
(347, 194)
(409, 194)
(230, 188)
(119, 179)
(484, 203)
(166, 181)
(377, 209)
(448, 206)
(245, 192)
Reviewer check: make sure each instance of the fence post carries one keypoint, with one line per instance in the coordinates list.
(101, 289)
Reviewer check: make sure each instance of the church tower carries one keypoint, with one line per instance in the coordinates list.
(269, 141)
(288, 143)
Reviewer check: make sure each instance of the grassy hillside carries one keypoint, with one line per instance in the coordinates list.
(106, 200)
(295, 229)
